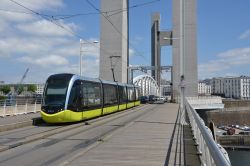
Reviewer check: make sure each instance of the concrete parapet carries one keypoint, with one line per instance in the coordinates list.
(226, 117)
(234, 140)
(236, 103)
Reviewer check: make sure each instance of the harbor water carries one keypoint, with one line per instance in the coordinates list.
(239, 157)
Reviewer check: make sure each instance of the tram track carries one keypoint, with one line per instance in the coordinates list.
(102, 137)
(63, 147)
(8, 141)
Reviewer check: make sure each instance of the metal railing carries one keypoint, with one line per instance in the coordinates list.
(210, 152)
(19, 106)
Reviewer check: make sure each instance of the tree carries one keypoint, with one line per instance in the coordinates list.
(5, 89)
(20, 89)
(32, 88)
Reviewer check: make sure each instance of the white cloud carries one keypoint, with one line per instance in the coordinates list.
(46, 28)
(13, 12)
(245, 35)
(31, 4)
(20, 45)
(235, 52)
(136, 40)
(231, 59)
(91, 68)
(28, 40)
(16, 17)
(45, 60)
(131, 52)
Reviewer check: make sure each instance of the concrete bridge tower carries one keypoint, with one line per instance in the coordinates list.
(189, 64)
(114, 41)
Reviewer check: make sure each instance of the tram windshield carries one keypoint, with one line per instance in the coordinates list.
(56, 90)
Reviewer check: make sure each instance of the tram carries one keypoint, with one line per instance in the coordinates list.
(72, 98)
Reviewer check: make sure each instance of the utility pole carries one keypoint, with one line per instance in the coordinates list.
(80, 60)
(81, 53)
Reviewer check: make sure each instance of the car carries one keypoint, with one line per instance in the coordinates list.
(144, 99)
(151, 99)
(165, 99)
(222, 127)
(159, 100)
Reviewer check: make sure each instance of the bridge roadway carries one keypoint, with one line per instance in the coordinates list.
(155, 138)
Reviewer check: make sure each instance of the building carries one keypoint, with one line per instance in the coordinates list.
(166, 90)
(204, 88)
(39, 88)
(232, 87)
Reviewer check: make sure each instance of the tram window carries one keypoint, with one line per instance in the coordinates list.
(91, 95)
(131, 94)
(55, 92)
(74, 98)
(137, 93)
(122, 94)
(110, 95)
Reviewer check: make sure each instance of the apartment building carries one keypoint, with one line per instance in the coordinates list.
(232, 87)
(204, 88)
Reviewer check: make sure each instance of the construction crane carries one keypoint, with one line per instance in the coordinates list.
(21, 81)
(12, 95)
(24, 76)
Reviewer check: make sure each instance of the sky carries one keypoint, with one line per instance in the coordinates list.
(39, 35)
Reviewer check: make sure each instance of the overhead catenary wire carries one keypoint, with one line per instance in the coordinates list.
(108, 13)
(57, 24)
(115, 28)
(68, 16)
(51, 19)
(131, 7)
(54, 18)
(48, 18)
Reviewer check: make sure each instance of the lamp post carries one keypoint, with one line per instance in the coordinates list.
(81, 53)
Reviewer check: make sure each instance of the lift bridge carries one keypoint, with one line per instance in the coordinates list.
(209, 152)
(147, 83)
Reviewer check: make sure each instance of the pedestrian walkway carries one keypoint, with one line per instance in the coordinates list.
(154, 139)
(16, 121)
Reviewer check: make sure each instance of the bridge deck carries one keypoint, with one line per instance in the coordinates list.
(17, 121)
(153, 139)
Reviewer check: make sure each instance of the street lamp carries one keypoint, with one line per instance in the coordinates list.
(80, 60)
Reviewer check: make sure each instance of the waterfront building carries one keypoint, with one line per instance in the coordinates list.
(232, 87)
(204, 88)
(39, 88)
